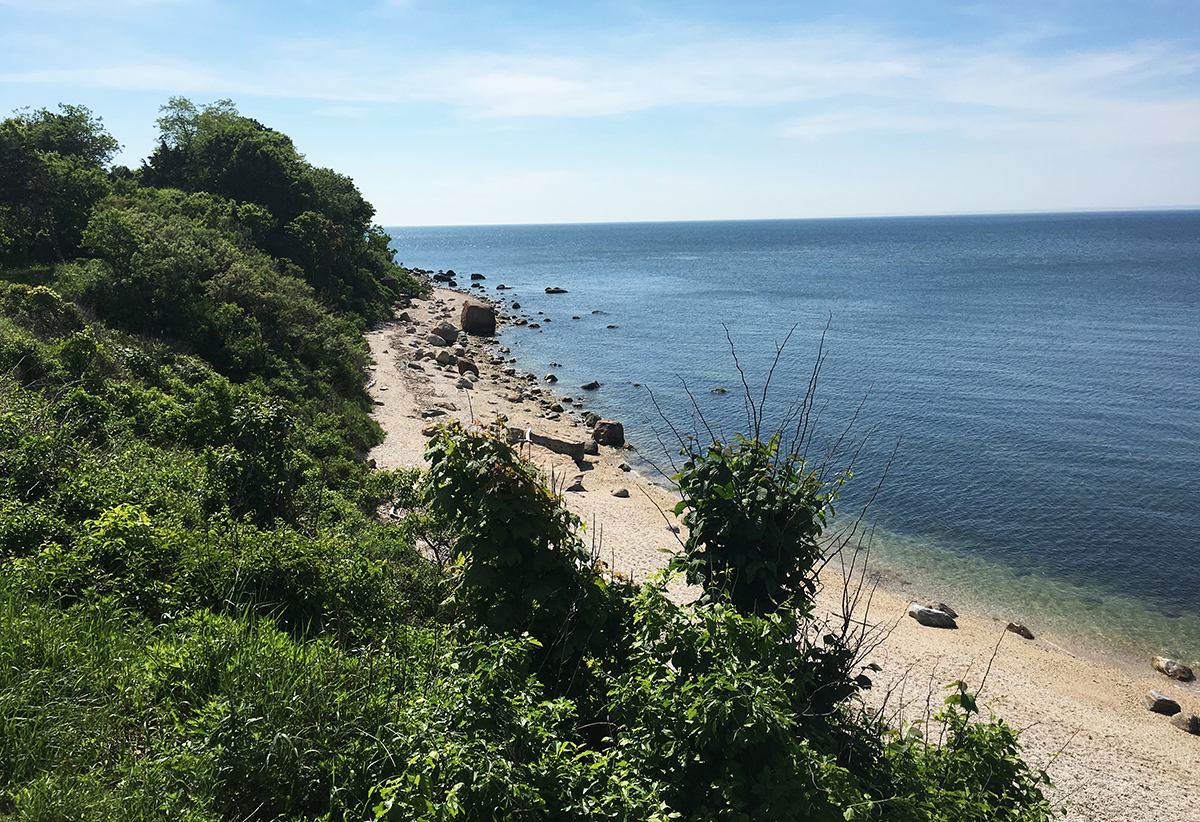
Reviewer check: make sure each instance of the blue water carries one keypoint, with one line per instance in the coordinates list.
(1041, 374)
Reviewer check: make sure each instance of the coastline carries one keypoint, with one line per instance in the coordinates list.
(1080, 717)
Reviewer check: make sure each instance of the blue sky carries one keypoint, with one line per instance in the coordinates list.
(451, 113)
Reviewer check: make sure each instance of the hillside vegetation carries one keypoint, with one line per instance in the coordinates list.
(204, 619)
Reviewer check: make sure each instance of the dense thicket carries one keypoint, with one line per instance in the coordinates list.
(202, 617)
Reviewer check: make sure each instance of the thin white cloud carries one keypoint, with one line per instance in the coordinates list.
(817, 82)
(100, 8)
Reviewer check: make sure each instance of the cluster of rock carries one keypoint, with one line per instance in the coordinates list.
(941, 615)
(444, 346)
(1160, 703)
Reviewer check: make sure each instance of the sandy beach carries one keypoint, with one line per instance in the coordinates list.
(1082, 719)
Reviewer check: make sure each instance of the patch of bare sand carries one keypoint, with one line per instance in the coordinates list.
(1081, 719)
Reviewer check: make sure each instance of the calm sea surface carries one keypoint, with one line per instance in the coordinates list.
(1041, 374)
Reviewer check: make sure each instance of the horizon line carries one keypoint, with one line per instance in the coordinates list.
(1047, 212)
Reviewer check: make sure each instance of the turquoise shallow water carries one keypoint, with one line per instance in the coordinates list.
(1041, 374)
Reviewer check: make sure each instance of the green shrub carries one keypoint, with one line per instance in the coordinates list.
(489, 746)
(754, 514)
(524, 566)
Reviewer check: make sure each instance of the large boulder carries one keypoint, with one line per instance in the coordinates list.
(1172, 668)
(609, 432)
(569, 448)
(477, 319)
(931, 617)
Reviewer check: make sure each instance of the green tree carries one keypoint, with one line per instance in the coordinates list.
(52, 173)
(318, 219)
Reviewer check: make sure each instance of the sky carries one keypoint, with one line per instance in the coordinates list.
(460, 113)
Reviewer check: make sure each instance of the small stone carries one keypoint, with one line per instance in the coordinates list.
(433, 412)
(931, 617)
(941, 606)
(415, 366)
(466, 365)
(625, 467)
(623, 493)
(576, 483)
(1186, 722)
(550, 378)
(591, 448)
(463, 382)
(1160, 703)
(1172, 668)
(430, 430)
(1020, 630)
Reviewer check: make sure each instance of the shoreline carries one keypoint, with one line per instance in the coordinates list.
(1118, 761)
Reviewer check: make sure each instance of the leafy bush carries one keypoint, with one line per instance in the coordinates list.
(490, 746)
(753, 515)
(525, 568)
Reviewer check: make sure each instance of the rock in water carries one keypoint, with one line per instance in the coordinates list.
(591, 386)
(477, 319)
(1160, 703)
(931, 617)
(1172, 668)
(609, 432)
(554, 290)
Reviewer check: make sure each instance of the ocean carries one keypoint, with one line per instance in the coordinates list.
(1037, 378)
